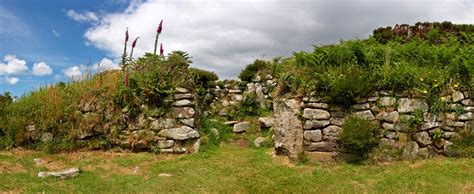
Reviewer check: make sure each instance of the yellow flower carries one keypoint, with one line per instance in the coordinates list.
(442, 98)
(421, 79)
(424, 91)
(456, 85)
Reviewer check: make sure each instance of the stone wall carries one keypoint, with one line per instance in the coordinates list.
(175, 132)
(406, 122)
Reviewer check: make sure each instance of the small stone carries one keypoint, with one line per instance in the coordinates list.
(468, 102)
(372, 99)
(266, 122)
(465, 117)
(318, 105)
(364, 114)
(188, 122)
(323, 146)
(314, 124)
(241, 127)
(423, 138)
(181, 103)
(313, 135)
(183, 112)
(162, 123)
(181, 133)
(181, 90)
(163, 144)
(364, 106)
(230, 123)
(235, 91)
(259, 142)
(387, 101)
(457, 96)
(411, 150)
(408, 105)
(68, 173)
(392, 117)
(331, 132)
(454, 123)
(165, 175)
(183, 96)
(427, 126)
(450, 135)
(337, 121)
(309, 113)
(423, 153)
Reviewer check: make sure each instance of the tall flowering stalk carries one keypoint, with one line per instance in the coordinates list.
(125, 49)
(125, 81)
(158, 32)
(133, 46)
(161, 50)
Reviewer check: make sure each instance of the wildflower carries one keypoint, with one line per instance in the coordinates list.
(161, 49)
(421, 79)
(135, 42)
(133, 46)
(160, 27)
(126, 79)
(456, 85)
(126, 35)
(442, 98)
(424, 91)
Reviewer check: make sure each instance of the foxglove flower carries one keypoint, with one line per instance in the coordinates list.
(160, 27)
(161, 49)
(135, 42)
(126, 35)
(126, 79)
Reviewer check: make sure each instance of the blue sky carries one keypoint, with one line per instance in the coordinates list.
(46, 41)
(41, 31)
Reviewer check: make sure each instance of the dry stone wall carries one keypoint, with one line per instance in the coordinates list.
(406, 122)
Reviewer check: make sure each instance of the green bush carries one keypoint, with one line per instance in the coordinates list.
(213, 133)
(253, 69)
(359, 135)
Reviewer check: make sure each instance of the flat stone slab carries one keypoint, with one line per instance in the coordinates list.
(68, 173)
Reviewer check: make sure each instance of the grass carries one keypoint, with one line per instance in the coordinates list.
(231, 168)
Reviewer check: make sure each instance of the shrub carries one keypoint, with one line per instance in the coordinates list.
(253, 69)
(213, 133)
(202, 77)
(359, 135)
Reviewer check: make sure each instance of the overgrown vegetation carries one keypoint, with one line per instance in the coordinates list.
(464, 147)
(359, 135)
(433, 62)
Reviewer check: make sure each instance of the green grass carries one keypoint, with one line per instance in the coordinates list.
(233, 169)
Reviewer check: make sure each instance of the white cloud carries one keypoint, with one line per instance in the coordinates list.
(73, 72)
(41, 69)
(12, 80)
(105, 64)
(12, 65)
(56, 33)
(224, 36)
(82, 17)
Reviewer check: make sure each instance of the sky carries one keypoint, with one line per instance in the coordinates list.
(44, 42)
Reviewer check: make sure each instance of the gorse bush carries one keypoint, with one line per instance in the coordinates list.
(359, 135)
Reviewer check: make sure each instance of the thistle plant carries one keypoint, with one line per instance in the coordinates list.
(158, 32)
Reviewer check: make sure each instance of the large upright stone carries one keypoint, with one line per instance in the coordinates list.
(407, 105)
(288, 127)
